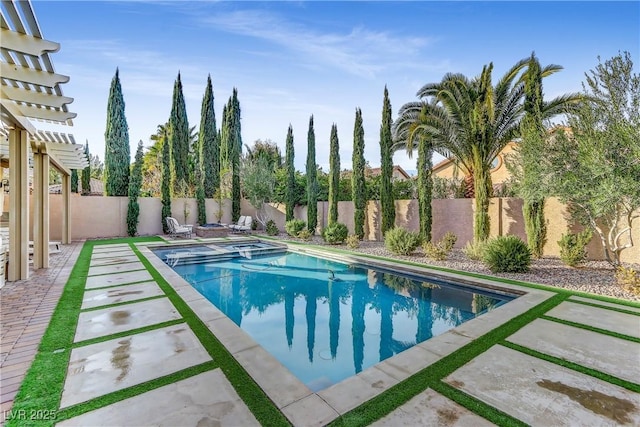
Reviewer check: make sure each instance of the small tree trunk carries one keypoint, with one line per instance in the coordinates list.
(482, 187)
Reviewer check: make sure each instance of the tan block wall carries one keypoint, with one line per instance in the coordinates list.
(100, 217)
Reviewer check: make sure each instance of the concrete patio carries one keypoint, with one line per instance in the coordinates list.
(517, 376)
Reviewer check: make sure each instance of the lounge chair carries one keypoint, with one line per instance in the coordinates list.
(243, 227)
(239, 223)
(175, 229)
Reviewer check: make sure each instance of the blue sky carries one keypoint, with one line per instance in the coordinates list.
(293, 59)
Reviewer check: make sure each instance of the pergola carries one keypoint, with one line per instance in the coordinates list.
(30, 91)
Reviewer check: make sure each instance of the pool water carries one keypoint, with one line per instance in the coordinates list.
(326, 321)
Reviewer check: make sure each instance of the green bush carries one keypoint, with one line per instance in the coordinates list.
(353, 242)
(572, 247)
(475, 251)
(401, 242)
(304, 234)
(507, 254)
(440, 250)
(294, 226)
(628, 279)
(254, 225)
(271, 228)
(335, 233)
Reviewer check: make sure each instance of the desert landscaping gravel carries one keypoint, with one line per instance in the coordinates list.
(596, 277)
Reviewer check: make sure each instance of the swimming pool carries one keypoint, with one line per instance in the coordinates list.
(326, 320)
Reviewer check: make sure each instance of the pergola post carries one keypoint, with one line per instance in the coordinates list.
(41, 210)
(66, 209)
(18, 205)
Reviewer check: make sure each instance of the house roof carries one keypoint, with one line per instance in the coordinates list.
(396, 168)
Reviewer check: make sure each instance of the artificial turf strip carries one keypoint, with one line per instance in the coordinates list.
(431, 376)
(592, 328)
(466, 273)
(251, 394)
(575, 367)
(119, 304)
(117, 396)
(607, 307)
(127, 333)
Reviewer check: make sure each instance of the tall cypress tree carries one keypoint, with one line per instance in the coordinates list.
(312, 179)
(236, 152)
(290, 192)
(133, 209)
(165, 185)
(223, 137)
(334, 175)
(425, 187)
(532, 131)
(86, 173)
(179, 139)
(74, 181)
(357, 178)
(116, 143)
(387, 203)
(208, 144)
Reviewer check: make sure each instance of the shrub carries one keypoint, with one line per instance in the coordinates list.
(294, 226)
(335, 233)
(507, 254)
(304, 234)
(628, 279)
(271, 228)
(254, 225)
(475, 251)
(401, 242)
(572, 247)
(353, 242)
(439, 251)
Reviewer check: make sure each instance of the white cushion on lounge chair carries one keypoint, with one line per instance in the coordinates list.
(176, 229)
(239, 223)
(248, 222)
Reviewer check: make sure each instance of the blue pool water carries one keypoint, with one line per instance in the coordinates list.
(326, 321)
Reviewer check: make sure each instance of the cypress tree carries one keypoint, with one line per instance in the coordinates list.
(179, 139)
(224, 137)
(532, 131)
(133, 209)
(312, 180)
(86, 173)
(334, 175)
(357, 178)
(116, 142)
(74, 181)
(425, 187)
(200, 198)
(208, 144)
(387, 204)
(166, 181)
(290, 192)
(235, 153)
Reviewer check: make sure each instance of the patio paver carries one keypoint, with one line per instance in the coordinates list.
(98, 369)
(111, 247)
(119, 294)
(542, 393)
(113, 268)
(627, 324)
(117, 279)
(111, 254)
(186, 402)
(431, 409)
(604, 303)
(97, 262)
(108, 321)
(587, 348)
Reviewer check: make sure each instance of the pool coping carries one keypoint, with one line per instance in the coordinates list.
(295, 399)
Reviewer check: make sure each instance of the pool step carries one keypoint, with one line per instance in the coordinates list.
(186, 258)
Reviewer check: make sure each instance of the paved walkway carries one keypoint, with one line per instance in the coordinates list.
(27, 306)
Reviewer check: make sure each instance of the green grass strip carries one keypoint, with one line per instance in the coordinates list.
(118, 240)
(431, 376)
(592, 329)
(607, 307)
(119, 304)
(117, 396)
(258, 402)
(127, 333)
(575, 367)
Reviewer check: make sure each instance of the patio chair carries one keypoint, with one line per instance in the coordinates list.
(246, 227)
(239, 223)
(175, 229)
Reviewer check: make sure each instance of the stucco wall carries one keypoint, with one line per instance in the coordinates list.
(98, 217)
